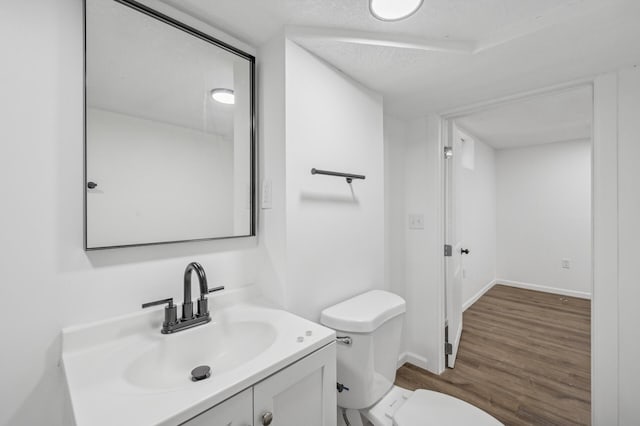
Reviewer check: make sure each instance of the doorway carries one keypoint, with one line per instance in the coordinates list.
(539, 150)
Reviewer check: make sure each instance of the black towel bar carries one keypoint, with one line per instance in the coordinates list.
(348, 176)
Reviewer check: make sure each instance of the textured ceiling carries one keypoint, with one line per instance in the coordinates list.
(556, 117)
(255, 21)
(507, 46)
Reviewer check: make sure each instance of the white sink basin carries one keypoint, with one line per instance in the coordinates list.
(124, 371)
(167, 364)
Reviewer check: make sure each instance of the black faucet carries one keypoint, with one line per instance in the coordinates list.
(187, 305)
(171, 324)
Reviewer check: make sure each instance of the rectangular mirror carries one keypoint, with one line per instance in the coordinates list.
(169, 131)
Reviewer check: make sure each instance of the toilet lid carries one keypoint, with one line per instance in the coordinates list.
(428, 408)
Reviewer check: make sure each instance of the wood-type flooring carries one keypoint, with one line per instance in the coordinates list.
(524, 357)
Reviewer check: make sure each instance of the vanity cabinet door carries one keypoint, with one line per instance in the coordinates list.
(301, 394)
(235, 411)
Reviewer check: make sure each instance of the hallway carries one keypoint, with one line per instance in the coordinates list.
(524, 357)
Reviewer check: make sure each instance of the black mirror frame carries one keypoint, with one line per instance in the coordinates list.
(253, 149)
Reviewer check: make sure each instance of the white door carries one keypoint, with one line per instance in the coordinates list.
(302, 394)
(453, 238)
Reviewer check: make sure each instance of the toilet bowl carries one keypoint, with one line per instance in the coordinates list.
(368, 329)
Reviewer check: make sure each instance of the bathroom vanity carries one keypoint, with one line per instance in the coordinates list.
(295, 395)
(268, 366)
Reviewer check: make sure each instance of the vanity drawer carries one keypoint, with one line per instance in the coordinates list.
(235, 411)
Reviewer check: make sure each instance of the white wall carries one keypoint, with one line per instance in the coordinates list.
(272, 227)
(478, 219)
(629, 246)
(335, 231)
(323, 239)
(395, 139)
(146, 172)
(544, 216)
(48, 281)
(423, 247)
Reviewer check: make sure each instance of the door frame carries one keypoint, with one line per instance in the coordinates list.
(450, 188)
(604, 233)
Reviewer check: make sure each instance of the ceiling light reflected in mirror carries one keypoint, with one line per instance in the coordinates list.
(224, 96)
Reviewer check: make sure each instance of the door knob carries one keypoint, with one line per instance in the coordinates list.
(464, 251)
(267, 418)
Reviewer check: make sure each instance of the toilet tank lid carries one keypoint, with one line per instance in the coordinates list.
(363, 313)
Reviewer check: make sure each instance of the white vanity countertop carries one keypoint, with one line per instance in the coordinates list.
(125, 372)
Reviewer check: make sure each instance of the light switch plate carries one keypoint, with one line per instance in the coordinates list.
(267, 194)
(566, 263)
(416, 221)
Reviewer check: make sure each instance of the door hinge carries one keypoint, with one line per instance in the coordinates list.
(448, 250)
(448, 152)
(448, 348)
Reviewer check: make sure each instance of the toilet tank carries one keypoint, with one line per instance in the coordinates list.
(367, 361)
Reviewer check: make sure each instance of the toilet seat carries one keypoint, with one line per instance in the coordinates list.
(429, 408)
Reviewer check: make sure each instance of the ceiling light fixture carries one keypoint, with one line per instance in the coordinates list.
(224, 96)
(394, 10)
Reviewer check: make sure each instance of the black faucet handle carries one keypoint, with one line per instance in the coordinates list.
(203, 303)
(168, 301)
(170, 313)
(214, 289)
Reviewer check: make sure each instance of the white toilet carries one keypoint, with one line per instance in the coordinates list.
(368, 329)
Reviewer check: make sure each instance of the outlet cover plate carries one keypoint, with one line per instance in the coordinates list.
(416, 221)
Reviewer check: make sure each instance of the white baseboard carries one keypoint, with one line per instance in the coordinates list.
(478, 295)
(402, 359)
(414, 359)
(546, 289)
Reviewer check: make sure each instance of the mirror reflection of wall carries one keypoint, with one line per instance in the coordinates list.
(168, 132)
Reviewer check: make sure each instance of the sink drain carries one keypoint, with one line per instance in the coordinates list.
(201, 372)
